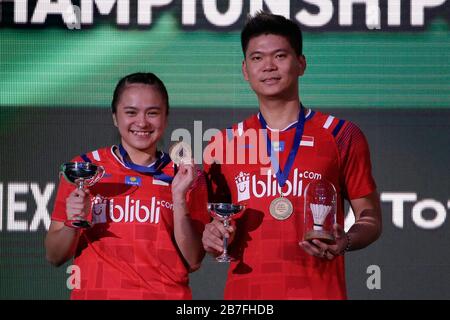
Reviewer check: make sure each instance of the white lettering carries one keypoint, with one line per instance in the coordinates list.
(104, 8)
(112, 208)
(270, 187)
(374, 281)
(394, 12)
(188, 12)
(219, 19)
(46, 7)
(145, 10)
(20, 11)
(439, 219)
(193, 310)
(74, 21)
(280, 7)
(319, 19)
(145, 209)
(261, 184)
(418, 10)
(346, 10)
(152, 213)
(41, 200)
(397, 205)
(198, 147)
(74, 281)
(16, 206)
(157, 215)
(373, 17)
(133, 210)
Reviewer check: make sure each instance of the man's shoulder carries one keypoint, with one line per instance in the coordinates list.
(332, 124)
(239, 128)
(248, 123)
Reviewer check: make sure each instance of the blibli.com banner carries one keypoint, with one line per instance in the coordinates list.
(383, 64)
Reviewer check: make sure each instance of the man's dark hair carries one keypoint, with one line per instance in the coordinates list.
(143, 78)
(267, 23)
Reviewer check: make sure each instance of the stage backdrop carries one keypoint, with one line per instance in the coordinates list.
(382, 64)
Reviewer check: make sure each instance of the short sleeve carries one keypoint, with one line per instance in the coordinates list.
(59, 208)
(64, 190)
(356, 168)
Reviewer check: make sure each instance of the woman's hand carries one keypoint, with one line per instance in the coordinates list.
(78, 204)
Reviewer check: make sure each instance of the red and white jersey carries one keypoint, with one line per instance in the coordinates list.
(130, 251)
(270, 263)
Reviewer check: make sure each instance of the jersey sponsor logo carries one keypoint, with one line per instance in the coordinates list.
(242, 181)
(130, 210)
(134, 181)
(248, 185)
(99, 207)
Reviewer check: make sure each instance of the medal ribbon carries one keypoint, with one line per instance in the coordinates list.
(155, 170)
(282, 175)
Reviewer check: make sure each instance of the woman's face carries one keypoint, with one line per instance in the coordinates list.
(141, 117)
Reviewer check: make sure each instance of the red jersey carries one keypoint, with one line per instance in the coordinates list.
(130, 251)
(270, 263)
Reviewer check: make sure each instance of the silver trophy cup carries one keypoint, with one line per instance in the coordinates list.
(81, 174)
(224, 212)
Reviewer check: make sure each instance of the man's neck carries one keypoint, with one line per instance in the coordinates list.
(280, 114)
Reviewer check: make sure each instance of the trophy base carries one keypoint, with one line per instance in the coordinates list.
(224, 258)
(82, 224)
(320, 235)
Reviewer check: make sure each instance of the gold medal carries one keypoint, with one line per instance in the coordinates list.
(281, 208)
(180, 152)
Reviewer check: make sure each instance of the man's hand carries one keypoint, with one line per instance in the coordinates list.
(322, 250)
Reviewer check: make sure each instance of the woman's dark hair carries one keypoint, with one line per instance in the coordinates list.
(143, 78)
(267, 23)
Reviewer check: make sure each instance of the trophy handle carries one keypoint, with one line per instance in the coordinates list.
(99, 174)
(90, 182)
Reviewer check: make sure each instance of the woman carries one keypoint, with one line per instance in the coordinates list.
(146, 233)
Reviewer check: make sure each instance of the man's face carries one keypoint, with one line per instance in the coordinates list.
(140, 117)
(272, 67)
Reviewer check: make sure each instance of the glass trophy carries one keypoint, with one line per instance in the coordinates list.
(224, 212)
(319, 211)
(81, 174)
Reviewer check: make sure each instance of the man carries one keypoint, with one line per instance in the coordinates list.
(273, 261)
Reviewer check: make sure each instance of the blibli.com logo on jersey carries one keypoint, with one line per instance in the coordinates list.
(131, 210)
(248, 185)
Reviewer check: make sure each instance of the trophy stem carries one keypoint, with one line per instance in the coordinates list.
(224, 257)
(226, 224)
(80, 184)
(225, 246)
(80, 223)
(224, 212)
